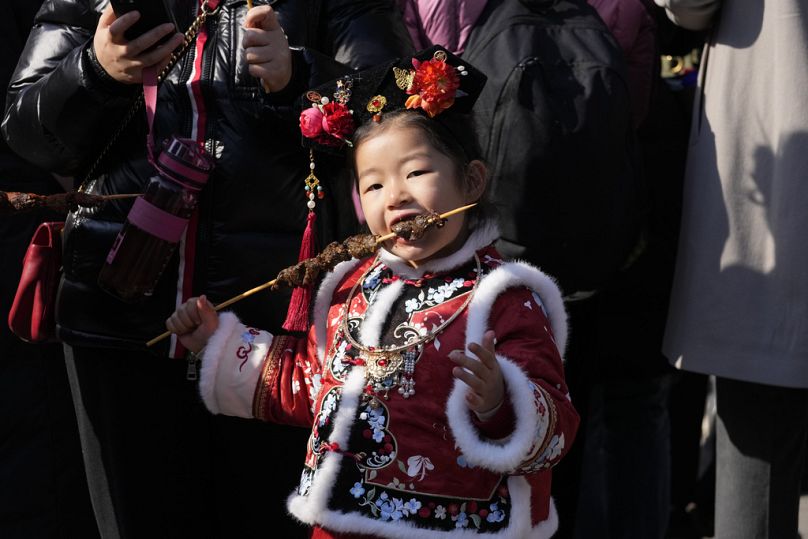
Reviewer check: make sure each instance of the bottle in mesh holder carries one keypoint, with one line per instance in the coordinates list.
(157, 221)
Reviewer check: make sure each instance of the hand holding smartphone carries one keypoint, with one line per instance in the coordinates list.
(153, 13)
(122, 49)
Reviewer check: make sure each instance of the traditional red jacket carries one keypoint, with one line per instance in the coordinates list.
(424, 466)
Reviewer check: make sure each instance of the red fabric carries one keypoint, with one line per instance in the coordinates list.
(320, 533)
(500, 425)
(534, 352)
(31, 316)
(297, 317)
(282, 394)
(540, 483)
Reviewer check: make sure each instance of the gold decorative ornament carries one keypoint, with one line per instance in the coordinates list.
(403, 78)
(389, 366)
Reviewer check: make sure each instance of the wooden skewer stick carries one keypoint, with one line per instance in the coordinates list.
(446, 215)
(249, 4)
(268, 284)
(12, 202)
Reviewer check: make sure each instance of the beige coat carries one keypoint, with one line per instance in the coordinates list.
(740, 300)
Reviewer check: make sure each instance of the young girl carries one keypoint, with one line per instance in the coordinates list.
(431, 378)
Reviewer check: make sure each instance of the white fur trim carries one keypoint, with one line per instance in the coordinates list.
(511, 275)
(370, 333)
(308, 508)
(228, 323)
(519, 528)
(482, 236)
(505, 455)
(227, 381)
(322, 303)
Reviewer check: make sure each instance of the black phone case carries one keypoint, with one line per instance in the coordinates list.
(153, 13)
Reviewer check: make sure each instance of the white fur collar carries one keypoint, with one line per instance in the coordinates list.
(322, 303)
(483, 235)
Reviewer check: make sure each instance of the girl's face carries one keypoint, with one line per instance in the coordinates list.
(400, 174)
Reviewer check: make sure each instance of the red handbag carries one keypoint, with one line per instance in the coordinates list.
(31, 317)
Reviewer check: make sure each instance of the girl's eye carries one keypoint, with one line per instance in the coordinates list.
(374, 187)
(416, 173)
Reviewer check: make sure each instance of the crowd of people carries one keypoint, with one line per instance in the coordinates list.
(536, 366)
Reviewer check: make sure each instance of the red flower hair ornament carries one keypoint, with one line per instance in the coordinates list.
(432, 81)
(432, 86)
(329, 123)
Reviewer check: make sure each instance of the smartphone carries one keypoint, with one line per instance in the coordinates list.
(153, 13)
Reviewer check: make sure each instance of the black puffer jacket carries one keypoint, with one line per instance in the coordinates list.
(60, 113)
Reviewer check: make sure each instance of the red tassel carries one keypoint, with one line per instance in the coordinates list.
(297, 317)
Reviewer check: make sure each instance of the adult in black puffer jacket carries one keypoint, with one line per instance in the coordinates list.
(157, 464)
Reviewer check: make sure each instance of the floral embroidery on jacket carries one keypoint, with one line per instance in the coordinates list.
(444, 513)
(379, 447)
(436, 295)
(417, 466)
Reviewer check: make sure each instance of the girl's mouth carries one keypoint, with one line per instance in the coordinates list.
(403, 240)
(398, 240)
(402, 217)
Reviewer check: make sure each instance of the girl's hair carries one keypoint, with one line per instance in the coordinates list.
(453, 135)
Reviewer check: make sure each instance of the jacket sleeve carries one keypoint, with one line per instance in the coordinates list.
(542, 420)
(58, 109)
(526, 347)
(251, 373)
(691, 14)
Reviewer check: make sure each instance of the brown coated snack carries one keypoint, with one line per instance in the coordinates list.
(415, 228)
(307, 271)
(361, 245)
(13, 202)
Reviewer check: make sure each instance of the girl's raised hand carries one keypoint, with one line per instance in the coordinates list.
(194, 322)
(482, 375)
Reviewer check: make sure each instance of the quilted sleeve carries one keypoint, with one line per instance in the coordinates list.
(544, 421)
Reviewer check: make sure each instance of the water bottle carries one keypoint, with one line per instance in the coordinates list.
(156, 222)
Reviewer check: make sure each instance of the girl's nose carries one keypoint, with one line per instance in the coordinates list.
(397, 195)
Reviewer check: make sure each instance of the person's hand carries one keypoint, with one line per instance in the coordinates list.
(266, 49)
(194, 322)
(482, 375)
(125, 60)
